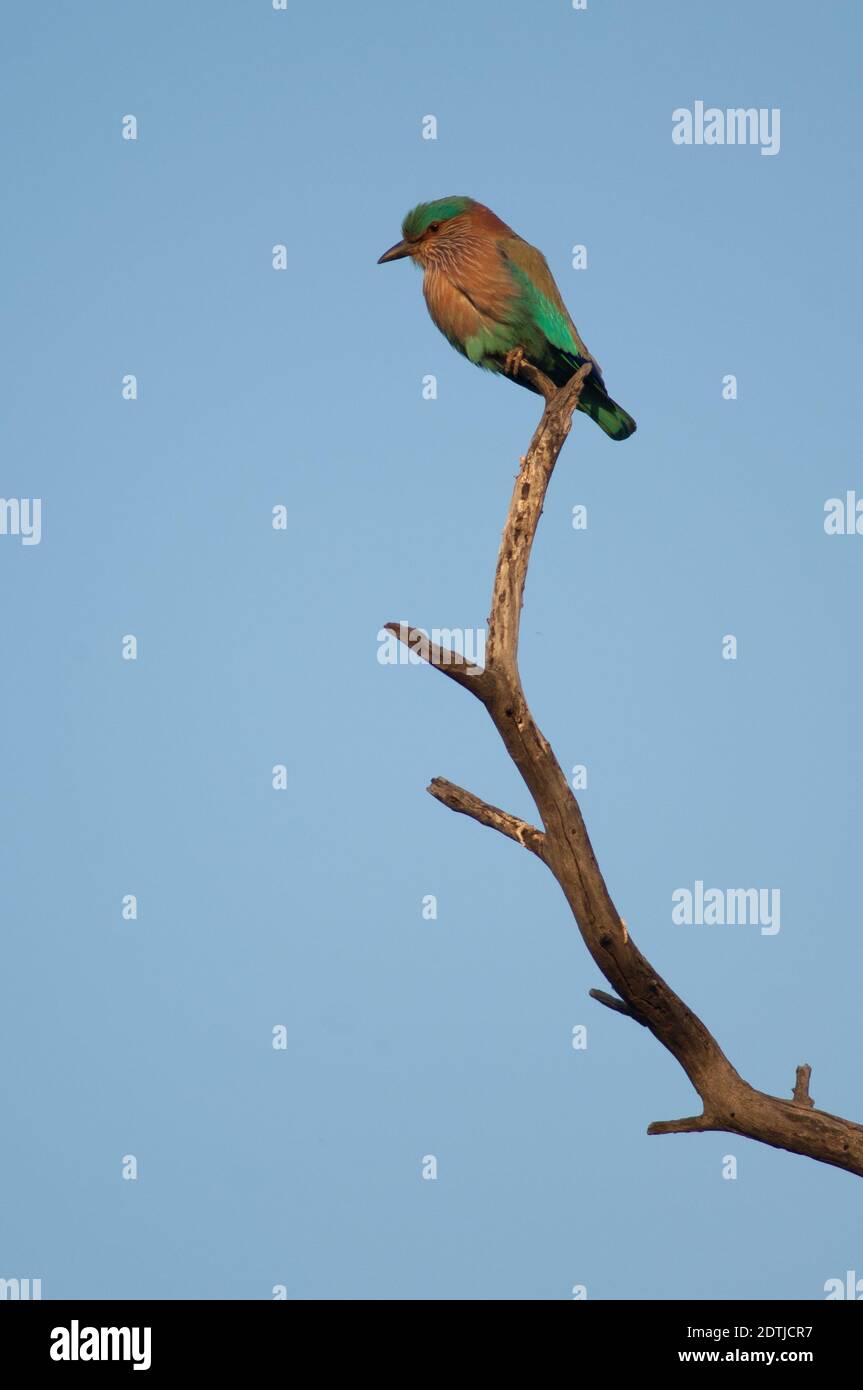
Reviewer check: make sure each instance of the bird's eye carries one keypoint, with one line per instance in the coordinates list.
(432, 226)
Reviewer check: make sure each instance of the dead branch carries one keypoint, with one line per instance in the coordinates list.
(728, 1102)
(469, 805)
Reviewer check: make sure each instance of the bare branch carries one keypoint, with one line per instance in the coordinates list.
(452, 664)
(617, 1005)
(729, 1102)
(525, 509)
(457, 799)
(538, 380)
(693, 1124)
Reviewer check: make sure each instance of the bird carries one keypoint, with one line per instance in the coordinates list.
(495, 300)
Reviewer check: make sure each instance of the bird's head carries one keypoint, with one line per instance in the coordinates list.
(431, 231)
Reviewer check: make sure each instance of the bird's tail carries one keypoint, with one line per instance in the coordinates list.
(610, 416)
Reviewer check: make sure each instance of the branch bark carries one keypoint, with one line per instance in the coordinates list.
(728, 1102)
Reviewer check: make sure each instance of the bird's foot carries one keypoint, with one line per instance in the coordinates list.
(514, 361)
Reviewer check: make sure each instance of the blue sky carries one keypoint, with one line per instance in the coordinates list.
(303, 907)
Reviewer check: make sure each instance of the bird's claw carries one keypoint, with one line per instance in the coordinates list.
(514, 361)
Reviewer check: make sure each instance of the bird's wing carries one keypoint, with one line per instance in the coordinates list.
(529, 269)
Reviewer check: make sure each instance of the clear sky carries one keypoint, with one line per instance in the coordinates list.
(302, 907)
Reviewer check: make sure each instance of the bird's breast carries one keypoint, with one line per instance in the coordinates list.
(455, 314)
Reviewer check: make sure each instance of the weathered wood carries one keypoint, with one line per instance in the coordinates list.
(728, 1102)
(457, 799)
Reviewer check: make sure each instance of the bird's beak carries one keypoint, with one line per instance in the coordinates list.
(395, 253)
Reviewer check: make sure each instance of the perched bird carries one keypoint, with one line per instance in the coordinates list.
(493, 297)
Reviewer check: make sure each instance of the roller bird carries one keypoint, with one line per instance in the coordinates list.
(494, 299)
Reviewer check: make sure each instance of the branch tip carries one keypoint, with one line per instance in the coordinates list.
(466, 804)
(618, 1005)
(801, 1094)
(459, 669)
(692, 1124)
